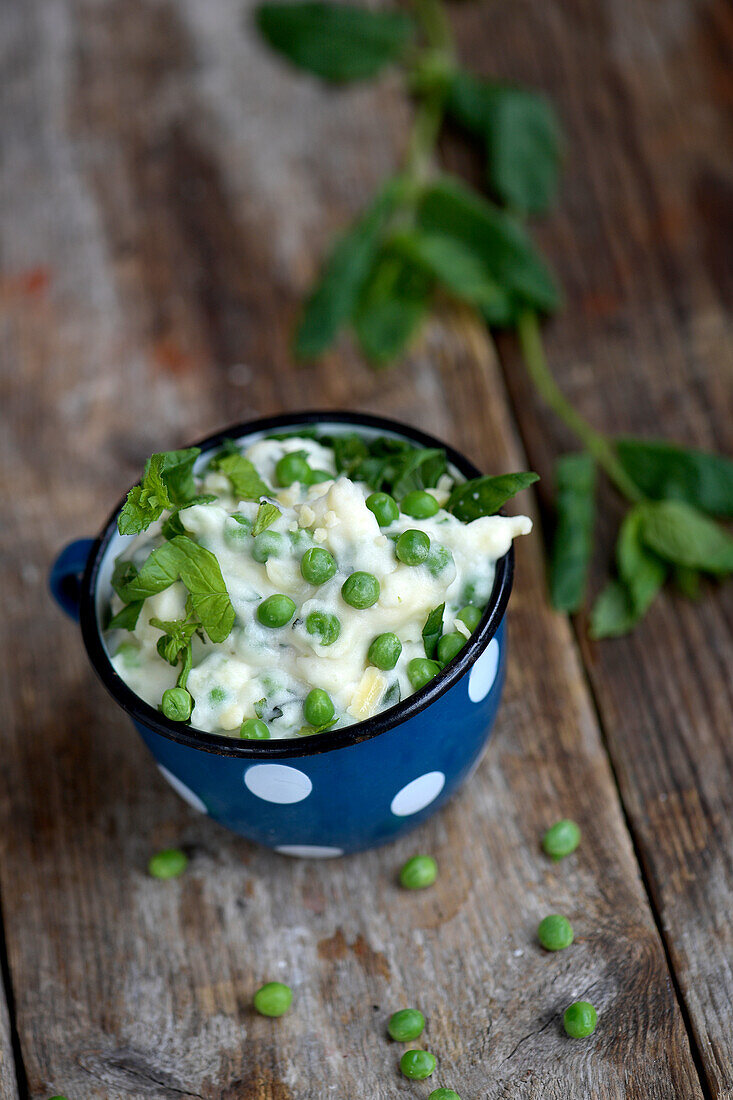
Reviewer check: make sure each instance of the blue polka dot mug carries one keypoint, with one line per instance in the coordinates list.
(330, 793)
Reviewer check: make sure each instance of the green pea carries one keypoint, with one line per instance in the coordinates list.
(443, 1094)
(580, 1020)
(555, 932)
(420, 671)
(170, 863)
(471, 616)
(291, 468)
(419, 872)
(254, 729)
(276, 610)
(273, 999)
(384, 652)
(412, 547)
(406, 1025)
(561, 839)
(317, 565)
(417, 1064)
(449, 646)
(360, 590)
(217, 695)
(419, 504)
(439, 559)
(384, 507)
(177, 704)
(327, 627)
(268, 544)
(318, 708)
(316, 476)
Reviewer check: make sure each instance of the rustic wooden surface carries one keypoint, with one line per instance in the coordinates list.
(165, 189)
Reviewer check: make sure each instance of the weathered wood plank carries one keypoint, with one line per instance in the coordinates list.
(8, 1078)
(165, 193)
(646, 346)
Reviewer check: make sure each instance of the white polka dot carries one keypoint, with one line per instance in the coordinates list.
(309, 851)
(484, 672)
(418, 794)
(277, 783)
(185, 792)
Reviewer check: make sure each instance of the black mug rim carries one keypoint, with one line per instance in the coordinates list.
(218, 744)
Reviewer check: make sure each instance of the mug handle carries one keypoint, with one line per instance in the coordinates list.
(66, 573)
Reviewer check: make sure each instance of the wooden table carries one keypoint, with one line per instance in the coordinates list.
(166, 189)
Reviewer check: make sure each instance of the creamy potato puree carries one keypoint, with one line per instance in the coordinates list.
(265, 672)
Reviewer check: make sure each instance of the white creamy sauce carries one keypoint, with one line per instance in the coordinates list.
(281, 665)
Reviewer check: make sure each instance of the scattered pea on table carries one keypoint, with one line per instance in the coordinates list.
(417, 1064)
(561, 839)
(406, 1024)
(580, 1020)
(555, 932)
(443, 1094)
(169, 863)
(419, 872)
(273, 999)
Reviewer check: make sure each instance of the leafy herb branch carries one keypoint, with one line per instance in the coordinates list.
(426, 232)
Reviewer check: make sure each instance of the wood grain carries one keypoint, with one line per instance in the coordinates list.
(645, 346)
(8, 1079)
(166, 190)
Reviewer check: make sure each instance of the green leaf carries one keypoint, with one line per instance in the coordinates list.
(421, 468)
(687, 581)
(338, 42)
(664, 471)
(391, 305)
(484, 496)
(173, 526)
(461, 271)
(123, 573)
(641, 570)
(176, 636)
(613, 613)
(432, 630)
(167, 481)
(334, 298)
(199, 570)
(521, 135)
(243, 477)
(267, 513)
(683, 536)
(126, 618)
(572, 546)
(349, 450)
(449, 209)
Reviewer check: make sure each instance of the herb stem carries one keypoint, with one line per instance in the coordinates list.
(533, 352)
(438, 56)
(434, 23)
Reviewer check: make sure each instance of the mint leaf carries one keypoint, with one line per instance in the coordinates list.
(432, 631)
(683, 536)
(173, 526)
(572, 544)
(484, 496)
(521, 135)
(641, 570)
(126, 618)
(334, 298)
(447, 208)
(338, 42)
(266, 515)
(177, 635)
(613, 613)
(391, 305)
(663, 471)
(461, 271)
(167, 481)
(349, 451)
(159, 571)
(245, 481)
(420, 468)
(123, 573)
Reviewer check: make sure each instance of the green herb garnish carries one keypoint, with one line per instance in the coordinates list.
(267, 513)
(432, 630)
(167, 482)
